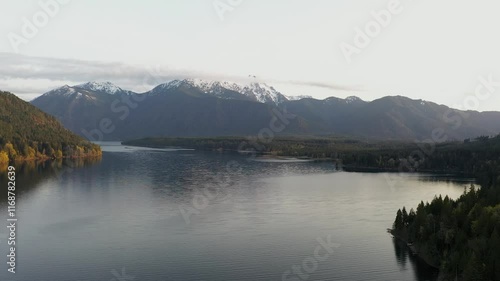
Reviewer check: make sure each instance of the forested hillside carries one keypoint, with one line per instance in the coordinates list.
(461, 237)
(28, 133)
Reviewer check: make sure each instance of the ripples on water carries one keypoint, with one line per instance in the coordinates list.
(171, 214)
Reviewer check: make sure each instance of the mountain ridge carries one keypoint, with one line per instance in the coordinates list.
(255, 91)
(195, 107)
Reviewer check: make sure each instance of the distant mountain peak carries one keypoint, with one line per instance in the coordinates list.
(190, 107)
(256, 91)
(61, 91)
(352, 99)
(299, 97)
(163, 88)
(87, 90)
(212, 86)
(106, 87)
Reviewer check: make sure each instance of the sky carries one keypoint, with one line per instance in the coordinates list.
(445, 51)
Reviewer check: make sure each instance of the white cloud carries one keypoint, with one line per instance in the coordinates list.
(29, 76)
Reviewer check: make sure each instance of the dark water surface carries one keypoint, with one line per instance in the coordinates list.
(188, 215)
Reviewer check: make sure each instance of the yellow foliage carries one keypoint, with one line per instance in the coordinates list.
(9, 148)
(79, 151)
(3, 167)
(4, 157)
(31, 153)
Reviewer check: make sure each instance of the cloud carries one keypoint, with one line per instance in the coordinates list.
(30, 76)
(21, 67)
(330, 86)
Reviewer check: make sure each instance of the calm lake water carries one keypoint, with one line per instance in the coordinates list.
(188, 215)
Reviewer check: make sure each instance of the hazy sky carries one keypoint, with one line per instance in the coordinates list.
(431, 50)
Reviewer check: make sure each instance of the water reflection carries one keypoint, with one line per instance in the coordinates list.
(30, 174)
(423, 272)
(124, 211)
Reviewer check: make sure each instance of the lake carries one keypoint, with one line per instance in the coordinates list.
(151, 214)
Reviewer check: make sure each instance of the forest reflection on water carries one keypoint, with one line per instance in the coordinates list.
(102, 214)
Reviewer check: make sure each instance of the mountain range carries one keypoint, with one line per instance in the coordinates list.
(195, 107)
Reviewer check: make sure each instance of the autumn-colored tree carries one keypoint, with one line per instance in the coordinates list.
(4, 157)
(9, 148)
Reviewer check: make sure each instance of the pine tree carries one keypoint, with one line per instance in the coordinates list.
(475, 269)
(399, 223)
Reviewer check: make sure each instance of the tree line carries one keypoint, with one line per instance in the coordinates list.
(462, 236)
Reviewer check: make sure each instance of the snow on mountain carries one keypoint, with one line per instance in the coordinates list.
(166, 86)
(87, 90)
(301, 97)
(253, 91)
(259, 92)
(353, 99)
(213, 87)
(264, 93)
(105, 87)
(69, 92)
(61, 91)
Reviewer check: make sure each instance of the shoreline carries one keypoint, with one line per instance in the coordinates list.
(47, 158)
(413, 249)
(365, 169)
(346, 168)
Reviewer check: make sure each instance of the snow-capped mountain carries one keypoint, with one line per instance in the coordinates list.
(353, 99)
(301, 97)
(252, 91)
(264, 93)
(259, 92)
(212, 108)
(61, 91)
(88, 90)
(68, 92)
(105, 87)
